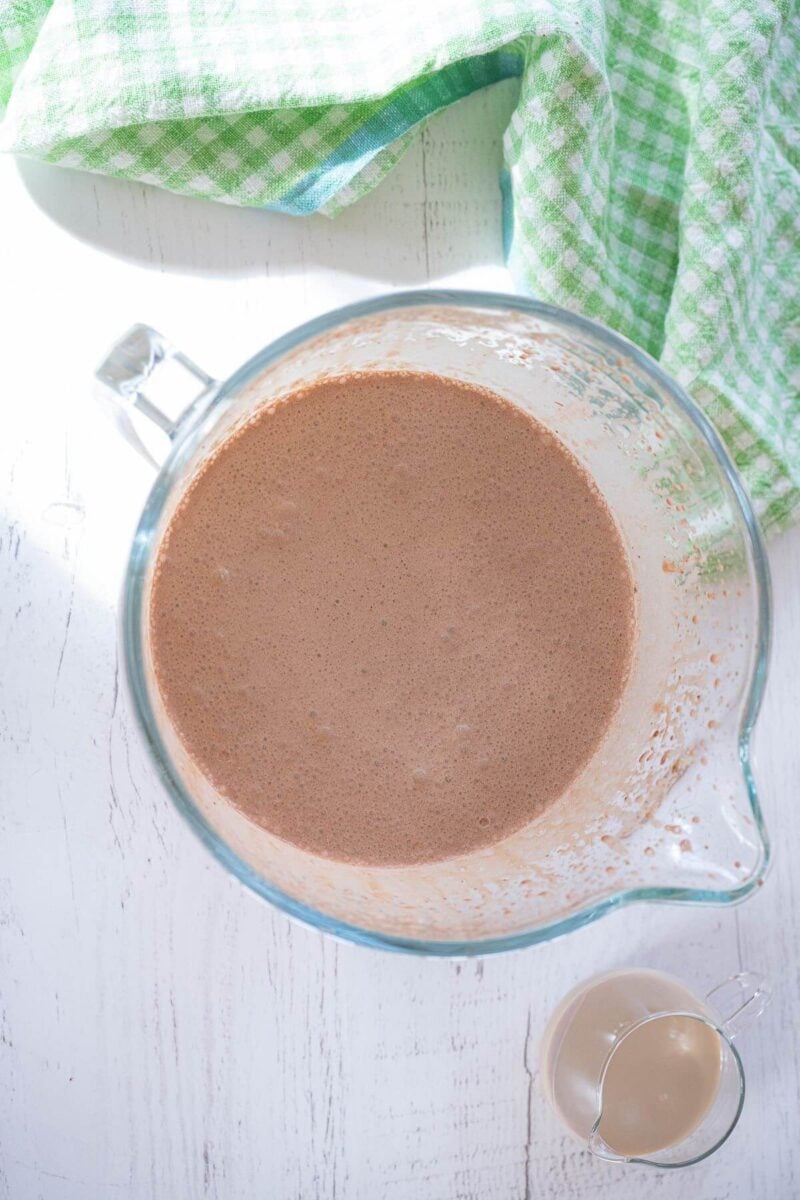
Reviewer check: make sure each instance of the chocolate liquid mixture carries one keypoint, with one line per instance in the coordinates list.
(392, 618)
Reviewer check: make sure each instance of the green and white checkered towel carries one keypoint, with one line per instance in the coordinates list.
(652, 164)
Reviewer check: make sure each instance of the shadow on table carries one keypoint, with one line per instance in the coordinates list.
(436, 213)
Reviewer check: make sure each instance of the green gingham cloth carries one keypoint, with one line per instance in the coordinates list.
(652, 163)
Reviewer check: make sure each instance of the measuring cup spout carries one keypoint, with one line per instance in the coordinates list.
(600, 1148)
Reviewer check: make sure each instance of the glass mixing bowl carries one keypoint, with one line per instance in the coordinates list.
(667, 808)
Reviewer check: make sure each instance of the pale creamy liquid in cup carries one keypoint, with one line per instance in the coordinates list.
(661, 1080)
(392, 618)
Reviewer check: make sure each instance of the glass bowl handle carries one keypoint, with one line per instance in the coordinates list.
(149, 387)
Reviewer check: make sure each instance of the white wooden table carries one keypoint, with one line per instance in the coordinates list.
(163, 1034)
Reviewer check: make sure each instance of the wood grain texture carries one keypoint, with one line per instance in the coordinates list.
(162, 1032)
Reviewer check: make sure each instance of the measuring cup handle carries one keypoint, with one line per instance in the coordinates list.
(141, 359)
(739, 1000)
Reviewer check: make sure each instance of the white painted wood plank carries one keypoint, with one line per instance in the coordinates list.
(162, 1033)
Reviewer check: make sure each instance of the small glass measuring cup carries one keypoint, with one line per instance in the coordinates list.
(639, 1069)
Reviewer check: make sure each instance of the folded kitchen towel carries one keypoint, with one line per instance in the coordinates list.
(652, 162)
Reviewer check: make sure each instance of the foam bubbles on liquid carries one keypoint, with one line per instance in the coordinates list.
(462, 626)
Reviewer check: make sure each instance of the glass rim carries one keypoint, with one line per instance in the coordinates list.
(198, 421)
(644, 1160)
